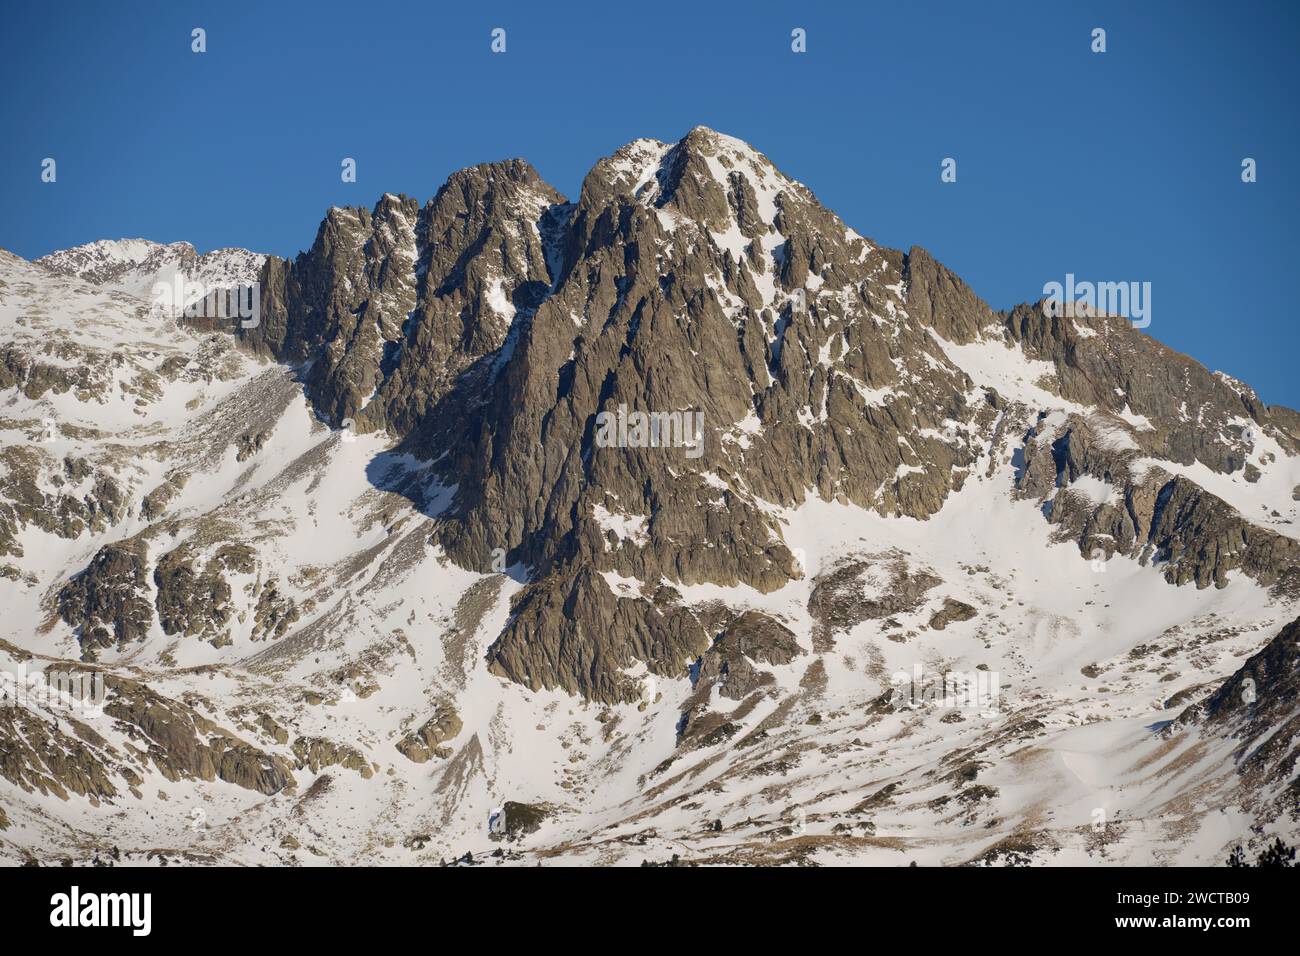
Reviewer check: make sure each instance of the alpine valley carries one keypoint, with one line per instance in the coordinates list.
(362, 585)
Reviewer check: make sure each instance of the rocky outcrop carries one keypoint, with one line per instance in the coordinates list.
(398, 301)
(250, 443)
(66, 756)
(939, 299)
(1195, 414)
(1202, 538)
(155, 503)
(183, 744)
(34, 378)
(1263, 693)
(1126, 504)
(37, 755)
(427, 741)
(274, 612)
(952, 611)
(103, 503)
(516, 820)
(863, 588)
(317, 753)
(106, 602)
(267, 724)
(751, 639)
(575, 634)
(189, 602)
(1259, 707)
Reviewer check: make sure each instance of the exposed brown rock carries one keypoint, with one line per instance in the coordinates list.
(106, 602)
(316, 753)
(425, 742)
(517, 820)
(861, 588)
(951, 611)
(184, 744)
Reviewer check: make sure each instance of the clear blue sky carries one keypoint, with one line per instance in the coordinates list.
(1116, 166)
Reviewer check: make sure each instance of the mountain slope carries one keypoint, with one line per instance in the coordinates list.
(135, 265)
(402, 599)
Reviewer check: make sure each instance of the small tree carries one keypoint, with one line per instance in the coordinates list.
(1277, 856)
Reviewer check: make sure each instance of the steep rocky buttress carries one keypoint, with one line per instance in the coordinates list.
(488, 330)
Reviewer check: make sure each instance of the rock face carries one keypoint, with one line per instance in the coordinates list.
(863, 588)
(70, 756)
(274, 614)
(574, 633)
(683, 445)
(64, 509)
(182, 743)
(492, 325)
(1259, 708)
(39, 758)
(489, 328)
(751, 639)
(1264, 692)
(190, 602)
(105, 602)
(516, 820)
(317, 753)
(427, 741)
(1197, 415)
(155, 503)
(1129, 505)
(391, 305)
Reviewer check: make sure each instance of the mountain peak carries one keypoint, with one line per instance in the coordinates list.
(134, 266)
(104, 259)
(707, 139)
(690, 431)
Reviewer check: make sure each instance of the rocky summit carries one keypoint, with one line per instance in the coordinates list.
(676, 519)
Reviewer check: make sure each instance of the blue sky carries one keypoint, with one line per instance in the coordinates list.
(1117, 166)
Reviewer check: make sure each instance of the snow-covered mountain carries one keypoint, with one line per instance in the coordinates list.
(371, 582)
(136, 265)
